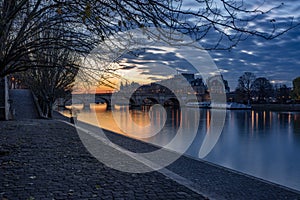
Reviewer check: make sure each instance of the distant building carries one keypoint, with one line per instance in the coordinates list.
(189, 77)
(178, 85)
(199, 86)
(216, 84)
(231, 96)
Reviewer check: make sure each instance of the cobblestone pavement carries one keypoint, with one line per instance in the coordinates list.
(45, 159)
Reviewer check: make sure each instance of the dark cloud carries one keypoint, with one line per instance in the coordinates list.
(154, 62)
(277, 59)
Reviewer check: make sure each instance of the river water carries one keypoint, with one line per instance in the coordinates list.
(260, 143)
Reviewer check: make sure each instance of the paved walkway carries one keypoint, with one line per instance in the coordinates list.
(45, 159)
(23, 104)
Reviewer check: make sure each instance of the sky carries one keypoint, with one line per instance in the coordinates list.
(278, 60)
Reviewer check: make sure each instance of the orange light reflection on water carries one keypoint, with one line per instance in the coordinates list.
(106, 120)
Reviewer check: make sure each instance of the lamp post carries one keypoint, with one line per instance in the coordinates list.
(12, 80)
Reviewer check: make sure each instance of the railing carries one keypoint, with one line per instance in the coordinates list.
(38, 107)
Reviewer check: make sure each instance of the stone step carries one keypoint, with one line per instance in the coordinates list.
(23, 104)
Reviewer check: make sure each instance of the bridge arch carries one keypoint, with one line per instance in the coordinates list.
(77, 100)
(106, 100)
(150, 101)
(173, 101)
(133, 102)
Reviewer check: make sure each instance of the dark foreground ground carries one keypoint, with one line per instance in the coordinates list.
(45, 159)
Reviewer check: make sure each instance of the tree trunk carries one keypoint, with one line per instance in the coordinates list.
(50, 110)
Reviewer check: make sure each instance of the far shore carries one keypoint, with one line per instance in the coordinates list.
(276, 107)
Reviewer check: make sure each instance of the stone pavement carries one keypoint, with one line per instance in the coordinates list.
(45, 159)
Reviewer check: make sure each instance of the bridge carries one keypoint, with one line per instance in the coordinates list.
(87, 99)
(136, 99)
(154, 93)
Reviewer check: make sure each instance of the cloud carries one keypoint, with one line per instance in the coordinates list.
(277, 59)
(156, 63)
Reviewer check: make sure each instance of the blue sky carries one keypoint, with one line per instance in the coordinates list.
(277, 59)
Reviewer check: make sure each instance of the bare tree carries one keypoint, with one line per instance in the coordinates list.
(22, 24)
(245, 85)
(87, 22)
(296, 89)
(262, 88)
(56, 78)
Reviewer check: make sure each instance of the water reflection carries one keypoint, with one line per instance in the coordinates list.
(261, 143)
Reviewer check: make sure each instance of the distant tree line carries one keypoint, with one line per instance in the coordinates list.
(260, 90)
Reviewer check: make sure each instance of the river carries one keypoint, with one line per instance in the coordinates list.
(264, 144)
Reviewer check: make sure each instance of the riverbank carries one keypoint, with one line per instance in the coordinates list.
(276, 107)
(43, 159)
